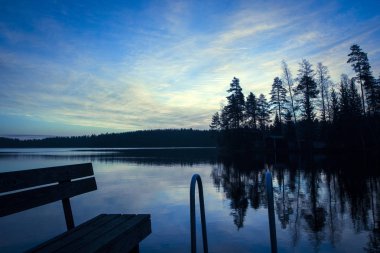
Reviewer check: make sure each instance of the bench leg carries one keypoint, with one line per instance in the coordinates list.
(68, 214)
(136, 249)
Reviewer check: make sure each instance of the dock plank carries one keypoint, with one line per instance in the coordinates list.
(104, 233)
(63, 236)
(77, 234)
(96, 235)
(126, 238)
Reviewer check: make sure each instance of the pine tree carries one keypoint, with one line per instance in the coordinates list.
(263, 112)
(360, 64)
(278, 99)
(215, 122)
(236, 104)
(251, 111)
(307, 87)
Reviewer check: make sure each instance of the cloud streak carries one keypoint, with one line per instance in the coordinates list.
(167, 66)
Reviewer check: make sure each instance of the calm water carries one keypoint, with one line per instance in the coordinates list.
(320, 206)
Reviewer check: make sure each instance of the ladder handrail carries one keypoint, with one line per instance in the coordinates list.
(271, 217)
(196, 178)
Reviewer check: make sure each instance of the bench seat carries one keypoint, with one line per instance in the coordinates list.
(104, 233)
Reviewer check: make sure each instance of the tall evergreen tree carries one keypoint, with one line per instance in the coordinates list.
(288, 80)
(323, 84)
(236, 104)
(360, 64)
(307, 87)
(278, 99)
(251, 111)
(263, 112)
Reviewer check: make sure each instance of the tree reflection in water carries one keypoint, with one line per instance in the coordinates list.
(313, 198)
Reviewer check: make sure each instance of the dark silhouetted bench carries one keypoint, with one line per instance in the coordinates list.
(22, 190)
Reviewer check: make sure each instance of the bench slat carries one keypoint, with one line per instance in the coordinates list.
(104, 233)
(20, 201)
(124, 238)
(64, 236)
(16, 180)
(74, 235)
(96, 235)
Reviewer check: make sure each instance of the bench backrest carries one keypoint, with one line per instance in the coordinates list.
(22, 190)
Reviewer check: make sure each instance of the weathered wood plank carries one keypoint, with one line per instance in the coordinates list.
(96, 235)
(104, 233)
(126, 238)
(132, 231)
(75, 234)
(16, 180)
(96, 220)
(20, 201)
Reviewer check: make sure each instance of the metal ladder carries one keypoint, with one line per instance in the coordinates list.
(271, 217)
(196, 178)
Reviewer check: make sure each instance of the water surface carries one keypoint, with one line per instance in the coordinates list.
(328, 206)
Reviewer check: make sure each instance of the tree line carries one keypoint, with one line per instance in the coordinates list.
(145, 138)
(309, 107)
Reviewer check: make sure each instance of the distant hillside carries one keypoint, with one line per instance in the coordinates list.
(146, 138)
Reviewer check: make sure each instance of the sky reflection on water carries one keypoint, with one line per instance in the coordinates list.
(316, 209)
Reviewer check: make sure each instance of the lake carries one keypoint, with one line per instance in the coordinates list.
(321, 205)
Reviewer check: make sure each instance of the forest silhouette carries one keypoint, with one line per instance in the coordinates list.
(305, 113)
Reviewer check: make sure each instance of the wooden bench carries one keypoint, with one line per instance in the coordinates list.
(22, 190)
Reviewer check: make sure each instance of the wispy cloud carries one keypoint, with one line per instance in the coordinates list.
(164, 65)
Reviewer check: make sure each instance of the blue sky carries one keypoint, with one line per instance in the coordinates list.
(84, 67)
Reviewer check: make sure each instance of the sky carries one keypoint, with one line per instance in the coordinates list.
(91, 67)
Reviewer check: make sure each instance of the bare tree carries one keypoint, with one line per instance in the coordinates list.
(288, 80)
(323, 80)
